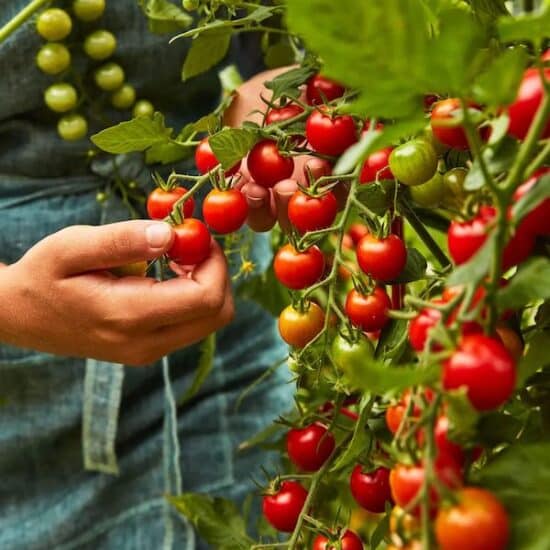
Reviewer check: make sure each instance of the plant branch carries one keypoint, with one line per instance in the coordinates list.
(19, 19)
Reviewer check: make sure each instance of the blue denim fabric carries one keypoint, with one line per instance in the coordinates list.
(47, 499)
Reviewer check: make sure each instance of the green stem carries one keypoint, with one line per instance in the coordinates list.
(15, 22)
(538, 161)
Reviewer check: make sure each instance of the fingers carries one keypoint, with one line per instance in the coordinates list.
(282, 192)
(80, 249)
(261, 207)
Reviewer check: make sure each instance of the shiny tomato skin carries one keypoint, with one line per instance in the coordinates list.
(377, 167)
(225, 211)
(421, 325)
(382, 259)
(319, 86)
(368, 312)
(160, 203)
(348, 541)
(371, 490)
(330, 134)
(453, 137)
(477, 522)
(310, 447)
(191, 244)
(298, 328)
(523, 110)
(298, 270)
(283, 508)
(485, 368)
(414, 162)
(205, 159)
(464, 239)
(394, 416)
(348, 357)
(308, 213)
(280, 114)
(266, 164)
(537, 221)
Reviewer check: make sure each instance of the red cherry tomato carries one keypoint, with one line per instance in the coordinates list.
(537, 221)
(442, 113)
(377, 167)
(225, 211)
(371, 490)
(191, 244)
(266, 164)
(205, 160)
(446, 447)
(298, 270)
(283, 508)
(320, 89)
(308, 213)
(395, 413)
(485, 368)
(477, 522)
(421, 325)
(330, 134)
(368, 312)
(297, 328)
(357, 231)
(160, 203)
(309, 447)
(382, 259)
(280, 114)
(348, 541)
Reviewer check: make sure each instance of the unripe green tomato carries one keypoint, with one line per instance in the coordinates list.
(429, 194)
(414, 162)
(88, 10)
(190, 5)
(53, 58)
(72, 127)
(54, 24)
(143, 108)
(428, 135)
(349, 357)
(124, 97)
(100, 45)
(101, 197)
(109, 77)
(61, 97)
(453, 183)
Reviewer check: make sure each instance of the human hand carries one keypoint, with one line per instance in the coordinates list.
(59, 298)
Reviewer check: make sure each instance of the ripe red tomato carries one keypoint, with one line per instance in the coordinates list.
(160, 203)
(298, 270)
(395, 413)
(308, 213)
(477, 522)
(523, 110)
(377, 166)
(357, 231)
(225, 211)
(191, 244)
(371, 490)
(536, 222)
(298, 328)
(330, 134)
(310, 447)
(421, 325)
(266, 164)
(442, 113)
(320, 89)
(281, 114)
(484, 366)
(368, 312)
(206, 160)
(445, 447)
(382, 259)
(282, 509)
(348, 541)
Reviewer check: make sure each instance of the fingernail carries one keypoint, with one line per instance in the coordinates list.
(158, 235)
(255, 202)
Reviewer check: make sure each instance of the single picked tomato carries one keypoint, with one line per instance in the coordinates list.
(330, 134)
(53, 58)
(267, 165)
(382, 259)
(371, 490)
(206, 160)
(320, 89)
(348, 541)
(191, 244)
(54, 24)
(161, 202)
(377, 167)
(537, 221)
(414, 162)
(307, 213)
(349, 356)
(368, 312)
(283, 507)
(298, 270)
(309, 447)
(225, 211)
(443, 113)
(280, 114)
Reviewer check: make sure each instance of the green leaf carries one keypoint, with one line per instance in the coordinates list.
(230, 78)
(204, 368)
(263, 436)
(377, 196)
(232, 145)
(279, 54)
(217, 520)
(165, 17)
(477, 267)
(539, 192)
(519, 478)
(137, 134)
(381, 531)
(498, 85)
(289, 81)
(531, 27)
(462, 416)
(208, 49)
(496, 428)
(535, 356)
(415, 268)
(167, 153)
(393, 341)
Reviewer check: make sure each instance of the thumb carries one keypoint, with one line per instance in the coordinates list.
(82, 248)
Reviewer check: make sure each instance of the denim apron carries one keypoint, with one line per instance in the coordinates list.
(87, 448)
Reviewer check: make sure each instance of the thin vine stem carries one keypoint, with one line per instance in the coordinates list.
(21, 17)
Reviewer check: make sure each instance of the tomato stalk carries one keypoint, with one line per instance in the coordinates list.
(19, 18)
(200, 182)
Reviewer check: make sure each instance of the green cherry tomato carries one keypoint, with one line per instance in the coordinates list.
(54, 24)
(53, 58)
(100, 45)
(61, 97)
(453, 183)
(143, 108)
(124, 97)
(72, 127)
(429, 194)
(428, 135)
(190, 5)
(109, 77)
(414, 162)
(349, 357)
(88, 10)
